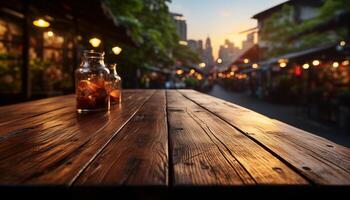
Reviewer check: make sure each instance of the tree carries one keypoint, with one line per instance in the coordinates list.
(150, 25)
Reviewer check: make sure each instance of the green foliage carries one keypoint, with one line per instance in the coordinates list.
(192, 82)
(277, 29)
(185, 55)
(150, 25)
(332, 7)
(9, 73)
(280, 27)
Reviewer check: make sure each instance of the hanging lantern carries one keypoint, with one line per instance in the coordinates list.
(41, 23)
(95, 42)
(116, 50)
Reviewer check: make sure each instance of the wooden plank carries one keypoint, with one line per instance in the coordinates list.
(26, 116)
(138, 155)
(320, 160)
(56, 151)
(22, 111)
(208, 151)
(28, 109)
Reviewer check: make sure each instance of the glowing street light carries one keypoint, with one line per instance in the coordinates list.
(246, 60)
(95, 42)
(315, 62)
(116, 50)
(335, 64)
(201, 65)
(41, 23)
(255, 65)
(219, 60)
(306, 66)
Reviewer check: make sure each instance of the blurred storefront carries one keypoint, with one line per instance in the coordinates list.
(41, 43)
(308, 68)
(317, 80)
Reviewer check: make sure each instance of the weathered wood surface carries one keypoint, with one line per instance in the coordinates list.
(54, 148)
(138, 154)
(207, 150)
(317, 159)
(161, 138)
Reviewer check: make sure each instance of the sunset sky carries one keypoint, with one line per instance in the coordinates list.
(220, 19)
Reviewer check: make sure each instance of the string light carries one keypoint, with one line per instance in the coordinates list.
(50, 33)
(342, 43)
(315, 62)
(246, 60)
(179, 71)
(306, 66)
(283, 64)
(201, 65)
(219, 60)
(255, 65)
(335, 64)
(345, 62)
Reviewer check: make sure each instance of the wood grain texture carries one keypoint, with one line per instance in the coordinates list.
(53, 148)
(138, 154)
(158, 138)
(208, 151)
(319, 160)
(22, 111)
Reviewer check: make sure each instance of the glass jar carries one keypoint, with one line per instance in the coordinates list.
(91, 83)
(115, 86)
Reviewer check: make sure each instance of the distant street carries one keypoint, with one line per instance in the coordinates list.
(284, 113)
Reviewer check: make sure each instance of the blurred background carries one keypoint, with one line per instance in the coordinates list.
(288, 60)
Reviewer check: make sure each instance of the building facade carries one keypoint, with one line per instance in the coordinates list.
(181, 26)
(249, 41)
(301, 12)
(228, 52)
(208, 53)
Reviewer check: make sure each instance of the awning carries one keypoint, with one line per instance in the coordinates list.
(298, 54)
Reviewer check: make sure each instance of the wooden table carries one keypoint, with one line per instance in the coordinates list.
(173, 139)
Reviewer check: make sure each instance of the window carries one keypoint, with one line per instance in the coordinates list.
(10, 56)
